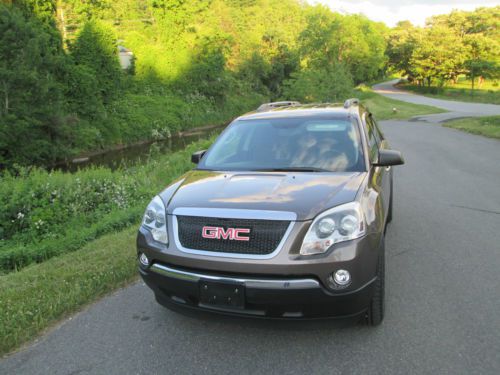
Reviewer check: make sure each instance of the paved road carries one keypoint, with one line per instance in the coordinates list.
(455, 109)
(443, 293)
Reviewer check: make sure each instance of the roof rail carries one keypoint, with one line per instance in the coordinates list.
(268, 106)
(350, 102)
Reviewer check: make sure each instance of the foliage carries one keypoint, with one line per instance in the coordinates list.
(95, 48)
(43, 214)
(402, 40)
(352, 40)
(201, 61)
(320, 85)
(447, 47)
(33, 126)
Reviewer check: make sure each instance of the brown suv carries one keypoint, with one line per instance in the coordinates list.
(283, 217)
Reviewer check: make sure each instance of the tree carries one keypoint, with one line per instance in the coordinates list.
(439, 55)
(33, 126)
(401, 43)
(353, 40)
(95, 47)
(329, 84)
(482, 57)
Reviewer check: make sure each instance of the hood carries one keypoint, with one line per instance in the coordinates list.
(306, 194)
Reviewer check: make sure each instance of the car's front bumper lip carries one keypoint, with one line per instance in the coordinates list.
(269, 297)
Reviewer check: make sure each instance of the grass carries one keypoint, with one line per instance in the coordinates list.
(382, 107)
(487, 93)
(486, 126)
(38, 296)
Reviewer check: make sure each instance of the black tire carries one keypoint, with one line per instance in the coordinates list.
(389, 212)
(375, 314)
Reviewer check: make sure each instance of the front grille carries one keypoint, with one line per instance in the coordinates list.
(265, 235)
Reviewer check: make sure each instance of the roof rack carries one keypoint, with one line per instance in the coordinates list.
(268, 106)
(350, 102)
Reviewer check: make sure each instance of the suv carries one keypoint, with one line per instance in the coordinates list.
(283, 217)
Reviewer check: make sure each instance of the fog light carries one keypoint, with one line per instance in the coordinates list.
(339, 279)
(143, 259)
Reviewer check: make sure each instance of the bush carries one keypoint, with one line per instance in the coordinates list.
(44, 214)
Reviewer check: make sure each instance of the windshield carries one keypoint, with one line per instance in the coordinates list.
(307, 144)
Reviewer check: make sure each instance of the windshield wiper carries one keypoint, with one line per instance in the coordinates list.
(292, 169)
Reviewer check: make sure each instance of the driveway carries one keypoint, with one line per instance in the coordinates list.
(456, 109)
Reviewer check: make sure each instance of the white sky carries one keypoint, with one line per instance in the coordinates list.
(392, 11)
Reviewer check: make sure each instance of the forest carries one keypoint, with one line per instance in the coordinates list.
(195, 63)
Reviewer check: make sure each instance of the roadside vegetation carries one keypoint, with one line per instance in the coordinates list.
(452, 51)
(384, 108)
(487, 92)
(37, 295)
(486, 126)
(63, 92)
(44, 214)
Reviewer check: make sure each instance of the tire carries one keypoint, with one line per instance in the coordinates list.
(375, 313)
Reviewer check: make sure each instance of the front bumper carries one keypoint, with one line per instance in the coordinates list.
(175, 276)
(271, 297)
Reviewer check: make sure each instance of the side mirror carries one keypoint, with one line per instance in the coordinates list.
(196, 157)
(386, 158)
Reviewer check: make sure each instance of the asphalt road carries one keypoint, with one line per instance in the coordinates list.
(455, 109)
(443, 293)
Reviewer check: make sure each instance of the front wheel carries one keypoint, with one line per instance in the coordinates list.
(375, 313)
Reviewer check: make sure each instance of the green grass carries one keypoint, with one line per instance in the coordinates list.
(486, 126)
(382, 107)
(38, 296)
(487, 93)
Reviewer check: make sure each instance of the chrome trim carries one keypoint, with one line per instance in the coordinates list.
(230, 213)
(235, 213)
(248, 282)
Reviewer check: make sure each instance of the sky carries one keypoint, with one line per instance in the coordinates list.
(392, 11)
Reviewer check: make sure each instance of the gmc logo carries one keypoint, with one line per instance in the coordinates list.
(218, 233)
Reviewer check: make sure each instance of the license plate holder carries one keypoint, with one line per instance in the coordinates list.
(222, 294)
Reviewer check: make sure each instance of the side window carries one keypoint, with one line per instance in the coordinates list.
(373, 142)
(378, 132)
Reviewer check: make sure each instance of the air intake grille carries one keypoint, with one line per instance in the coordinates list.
(264, 236)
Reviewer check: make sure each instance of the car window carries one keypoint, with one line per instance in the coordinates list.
(378, 132)
(373, 142)
(330, 144)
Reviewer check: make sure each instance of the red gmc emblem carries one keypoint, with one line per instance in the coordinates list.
(219, 233)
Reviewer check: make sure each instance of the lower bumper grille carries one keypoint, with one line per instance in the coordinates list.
(264, 236)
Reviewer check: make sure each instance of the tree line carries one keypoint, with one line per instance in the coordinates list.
(450, 45)
(62, 90)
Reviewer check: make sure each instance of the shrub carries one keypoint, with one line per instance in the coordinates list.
(44, 214)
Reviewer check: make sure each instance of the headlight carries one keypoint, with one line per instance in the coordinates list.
(156, 220)
(342, 223)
